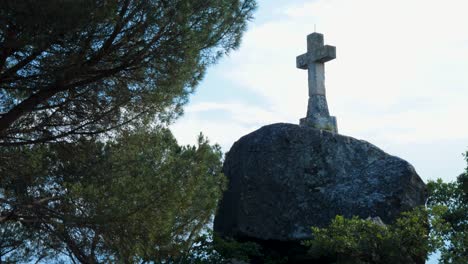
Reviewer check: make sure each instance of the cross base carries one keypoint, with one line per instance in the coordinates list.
(320, 122)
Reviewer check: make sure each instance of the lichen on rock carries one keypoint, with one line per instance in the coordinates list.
(285, 178)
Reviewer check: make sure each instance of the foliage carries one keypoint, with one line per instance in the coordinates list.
(357, 240)
(451, 201)
(211, 249)
(203, 252)
(231, 249)
(71, 69)
(137, 198)
(81, 173)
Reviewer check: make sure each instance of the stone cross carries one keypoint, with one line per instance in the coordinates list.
(314, 61)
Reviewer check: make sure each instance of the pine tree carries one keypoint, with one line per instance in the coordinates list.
(77, 68)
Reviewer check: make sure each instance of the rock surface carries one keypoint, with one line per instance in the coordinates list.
(285, 178)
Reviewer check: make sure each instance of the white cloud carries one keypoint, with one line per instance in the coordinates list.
(223, 123)
(239, 112)
(224, 133)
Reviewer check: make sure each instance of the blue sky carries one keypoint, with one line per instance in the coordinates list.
(399, 81)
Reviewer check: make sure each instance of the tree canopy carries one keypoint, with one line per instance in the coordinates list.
(450, 199)
(89, 171)
(139, 197)
(76, 68)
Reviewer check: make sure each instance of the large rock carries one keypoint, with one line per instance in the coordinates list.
(285, 178)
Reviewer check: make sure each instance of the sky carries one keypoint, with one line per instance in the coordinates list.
(399, 80)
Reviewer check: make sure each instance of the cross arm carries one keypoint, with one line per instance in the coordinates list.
(321, 55)
(302, 61)
(326, 53)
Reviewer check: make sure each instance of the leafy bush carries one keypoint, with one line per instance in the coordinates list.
(357, 240)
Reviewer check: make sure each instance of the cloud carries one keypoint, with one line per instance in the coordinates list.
(239, 112)
(223, 123)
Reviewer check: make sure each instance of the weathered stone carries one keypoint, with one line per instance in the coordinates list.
(376, 220)
(314, 62)
(285, 178)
